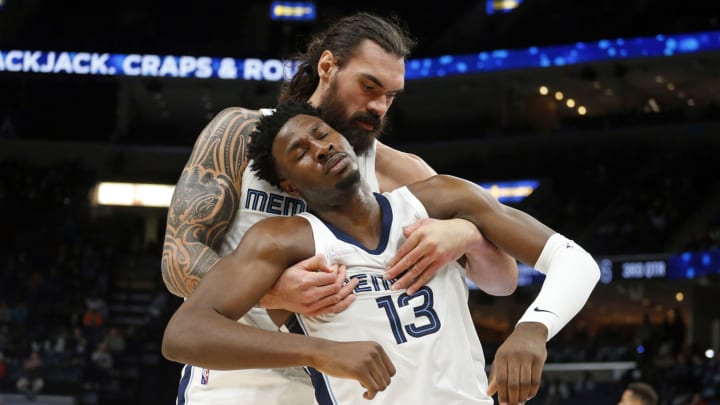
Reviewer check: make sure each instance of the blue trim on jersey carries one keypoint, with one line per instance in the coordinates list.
(293, 325)
(184, 384)
(322, 392)
(387, 219)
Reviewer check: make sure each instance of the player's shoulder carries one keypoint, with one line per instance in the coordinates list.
(221, 145)
(395, 168)
(236, 112)
(229, 124)
(387, 154)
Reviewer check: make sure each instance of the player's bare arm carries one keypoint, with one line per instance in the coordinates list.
(395, 169)
(203, 331)
(492, 270)
(571, 275)
(205, 199)
(431, 243)
(512, 230)
(236, 283)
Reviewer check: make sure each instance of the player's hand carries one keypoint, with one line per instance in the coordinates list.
(311, 287)
(430, 244)
(364, 361)
(517, 367)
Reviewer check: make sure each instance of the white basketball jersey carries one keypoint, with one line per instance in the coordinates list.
(429, 336)
(286, 386)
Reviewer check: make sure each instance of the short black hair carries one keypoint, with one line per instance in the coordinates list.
(262, 138)
(645, 392)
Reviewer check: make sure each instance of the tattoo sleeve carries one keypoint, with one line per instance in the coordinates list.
(205, 199)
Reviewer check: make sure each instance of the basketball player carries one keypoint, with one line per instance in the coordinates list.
(354, 69)
(427, 341)
(639, 393)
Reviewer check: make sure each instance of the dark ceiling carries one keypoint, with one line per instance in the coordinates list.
(642, 136)
(170, 112)
(242, 28)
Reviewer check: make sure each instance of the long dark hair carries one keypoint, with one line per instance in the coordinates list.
(342, 38)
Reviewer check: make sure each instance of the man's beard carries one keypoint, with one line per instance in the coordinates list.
(334, 114)
(349, 181)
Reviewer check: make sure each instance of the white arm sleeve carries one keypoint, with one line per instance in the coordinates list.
(570, 277)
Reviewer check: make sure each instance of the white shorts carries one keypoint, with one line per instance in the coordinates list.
(252, 386)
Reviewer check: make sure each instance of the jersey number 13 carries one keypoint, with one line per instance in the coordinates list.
(423, 310)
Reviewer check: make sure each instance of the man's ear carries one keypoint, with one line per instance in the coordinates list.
(287, 187)
(325, 63)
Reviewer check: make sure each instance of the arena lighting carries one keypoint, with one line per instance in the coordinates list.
(511, 191)
(207, 67)
(692, 265)
(501, 6)
(132, 194)
(291, 10)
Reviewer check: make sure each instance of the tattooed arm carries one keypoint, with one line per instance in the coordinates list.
(205, 200)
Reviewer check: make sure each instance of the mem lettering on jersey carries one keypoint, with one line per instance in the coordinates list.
(277, 204)
(371, 283)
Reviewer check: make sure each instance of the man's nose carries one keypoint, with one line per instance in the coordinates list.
(379, 105)
(323, 150)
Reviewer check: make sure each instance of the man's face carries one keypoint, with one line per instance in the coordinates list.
(359, 95)
(314, 159)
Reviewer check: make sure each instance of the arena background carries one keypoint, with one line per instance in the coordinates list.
(634, 180)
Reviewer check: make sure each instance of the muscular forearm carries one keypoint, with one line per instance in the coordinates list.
(184, 264)
(213, 341)
(203, 337)
(492, 270)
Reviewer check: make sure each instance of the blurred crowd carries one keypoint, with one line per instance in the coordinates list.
(72, 321)
(82, 305)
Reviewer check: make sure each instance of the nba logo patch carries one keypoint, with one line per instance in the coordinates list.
(205, 377)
